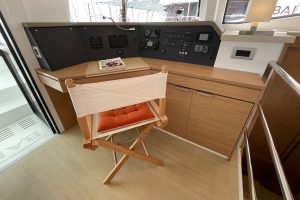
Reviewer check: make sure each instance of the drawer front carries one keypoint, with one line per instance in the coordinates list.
(222, 89)
(216, 122)
(177, 109)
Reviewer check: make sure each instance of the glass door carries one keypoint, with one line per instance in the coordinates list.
(13, 104)
(25, 121)
(12, 58)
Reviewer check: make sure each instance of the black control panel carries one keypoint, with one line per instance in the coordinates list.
(192, 44)
(178, 39)
(63, 46)
(96, 42)
(151, 40)
(183, 40)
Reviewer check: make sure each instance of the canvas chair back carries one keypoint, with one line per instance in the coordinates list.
(98, 97)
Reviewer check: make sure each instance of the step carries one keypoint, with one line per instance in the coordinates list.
(6, 80)
(22, 137)
(8, 93)
(13, 110)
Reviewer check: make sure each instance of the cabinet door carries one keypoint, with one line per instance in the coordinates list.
(216, 122)
(177, 109)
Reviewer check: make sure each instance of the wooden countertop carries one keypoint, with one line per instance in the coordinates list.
(91, 69)
(232, 77)
(294, 33)
(278, 37)
(226, 76)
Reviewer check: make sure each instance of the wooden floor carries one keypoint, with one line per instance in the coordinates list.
(61, 169)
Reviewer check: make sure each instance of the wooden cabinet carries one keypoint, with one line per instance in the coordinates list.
(207, 119)
(178, 108)
(216, 122)
(213, 121)
(206, 112)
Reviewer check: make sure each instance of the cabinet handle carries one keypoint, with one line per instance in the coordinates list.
(207, 94)
(182, 88)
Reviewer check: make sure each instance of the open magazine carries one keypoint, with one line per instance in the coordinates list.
(111, 64)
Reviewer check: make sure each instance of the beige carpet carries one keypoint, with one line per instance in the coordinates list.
(62, 169)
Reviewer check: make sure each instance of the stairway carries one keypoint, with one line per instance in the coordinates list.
(13, 105)
(261, 192)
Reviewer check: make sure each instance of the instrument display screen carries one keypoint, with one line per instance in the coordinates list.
(203, 36)
(118, 41)
(150, 43)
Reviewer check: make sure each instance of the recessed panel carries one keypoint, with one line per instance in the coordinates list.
(61, 47)
(118, 41)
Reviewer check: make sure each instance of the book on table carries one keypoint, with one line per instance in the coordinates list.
(111, 64)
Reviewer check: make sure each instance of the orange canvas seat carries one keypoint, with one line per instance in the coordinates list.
(124, 116)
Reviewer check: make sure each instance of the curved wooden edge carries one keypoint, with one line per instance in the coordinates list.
(69, 83)
(164, 69)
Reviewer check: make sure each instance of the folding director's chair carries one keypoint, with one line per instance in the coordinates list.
(107, 108)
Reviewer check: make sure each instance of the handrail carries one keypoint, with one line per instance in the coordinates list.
(249, 169)
(286, 77)
(285, 189)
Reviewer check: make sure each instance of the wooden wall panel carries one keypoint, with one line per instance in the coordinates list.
(63, 106)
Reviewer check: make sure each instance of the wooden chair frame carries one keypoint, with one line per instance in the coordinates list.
(85, 124)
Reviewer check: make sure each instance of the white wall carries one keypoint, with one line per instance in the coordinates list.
(264, 53)
(15, 12)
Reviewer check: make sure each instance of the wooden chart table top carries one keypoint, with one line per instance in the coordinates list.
(89, 70)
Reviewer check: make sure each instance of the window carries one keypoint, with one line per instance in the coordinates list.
(236, 10)
(136, 10)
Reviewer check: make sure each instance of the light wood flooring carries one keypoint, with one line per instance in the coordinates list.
(62, 169)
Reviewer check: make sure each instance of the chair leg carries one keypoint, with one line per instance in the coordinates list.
(125, 157)
(118, 166)
(145, 148)
(127, 151)
(108, 137)
(143, 143)
(114, 152)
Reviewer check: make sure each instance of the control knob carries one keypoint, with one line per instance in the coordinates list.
(147, 33)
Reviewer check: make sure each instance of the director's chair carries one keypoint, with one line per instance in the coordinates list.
(104, 109)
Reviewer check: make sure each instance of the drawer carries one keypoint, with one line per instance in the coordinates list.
(177, 109)
(222, 89)
(216, 122)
